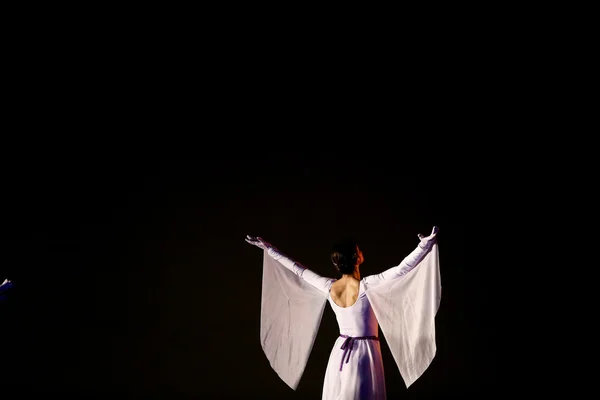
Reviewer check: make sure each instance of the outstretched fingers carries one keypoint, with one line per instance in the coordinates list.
(256, 241)
(434, 232)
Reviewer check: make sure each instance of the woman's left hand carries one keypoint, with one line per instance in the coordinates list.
(426, 240)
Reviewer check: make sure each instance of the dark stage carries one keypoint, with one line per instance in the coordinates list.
(132, 278)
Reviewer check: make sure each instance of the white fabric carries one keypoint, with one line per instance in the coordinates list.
(404, 300)
(406, 309)
(291, 312)
(362, 377)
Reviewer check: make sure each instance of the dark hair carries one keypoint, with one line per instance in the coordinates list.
(344, 256)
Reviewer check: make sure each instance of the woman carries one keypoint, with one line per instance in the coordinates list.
(355, 367)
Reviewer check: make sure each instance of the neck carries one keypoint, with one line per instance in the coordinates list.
(355, 275)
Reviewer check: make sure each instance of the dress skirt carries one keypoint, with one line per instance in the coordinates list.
(360, 378)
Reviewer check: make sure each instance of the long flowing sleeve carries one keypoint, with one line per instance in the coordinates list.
(401, 269)
(320, 283)
(292, 305)
(406, 308)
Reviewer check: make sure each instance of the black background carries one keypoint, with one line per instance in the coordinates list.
(132, 277)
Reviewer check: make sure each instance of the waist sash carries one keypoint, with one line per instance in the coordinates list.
(348, 345)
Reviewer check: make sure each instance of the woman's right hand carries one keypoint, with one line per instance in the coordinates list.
(258, 242)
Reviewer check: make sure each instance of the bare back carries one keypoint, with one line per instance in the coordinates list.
(344, 292)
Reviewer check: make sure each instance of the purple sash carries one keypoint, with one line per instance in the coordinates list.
(349, 345)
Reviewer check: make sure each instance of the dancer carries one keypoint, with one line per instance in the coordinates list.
(403, 300)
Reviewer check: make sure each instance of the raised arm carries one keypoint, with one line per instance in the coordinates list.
(321, 283)
(407, 264)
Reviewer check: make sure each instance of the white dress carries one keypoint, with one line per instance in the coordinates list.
(356, 372)
(403, 300)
